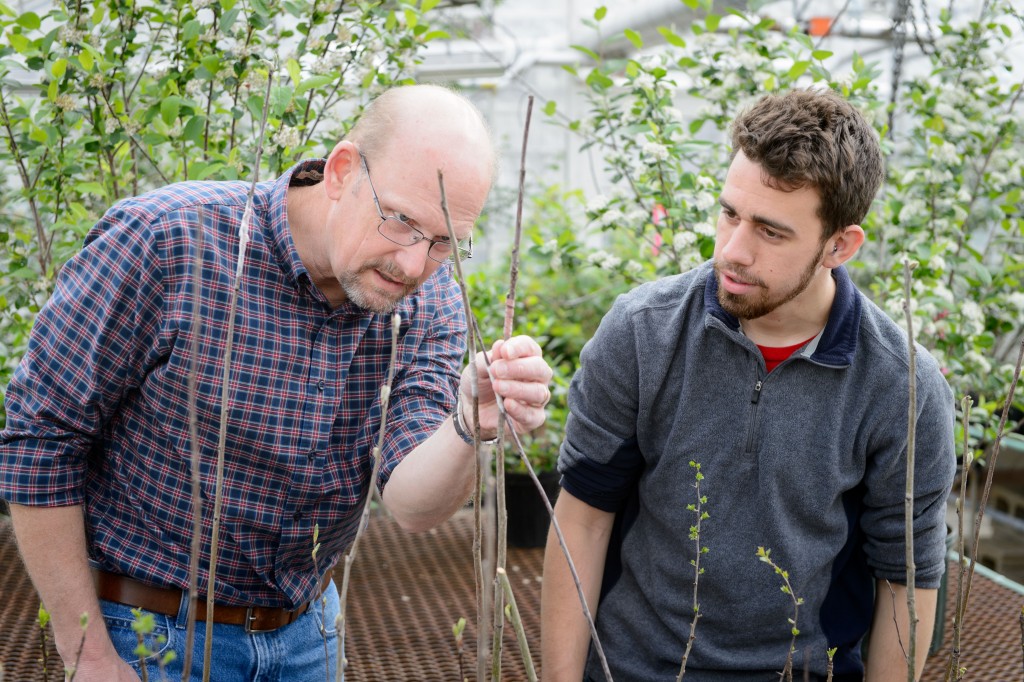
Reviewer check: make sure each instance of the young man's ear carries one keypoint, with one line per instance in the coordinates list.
(843, 245)
(342, 169)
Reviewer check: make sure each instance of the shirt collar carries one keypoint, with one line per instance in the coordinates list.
(276, 229)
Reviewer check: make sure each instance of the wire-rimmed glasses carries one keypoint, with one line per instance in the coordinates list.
(397, 231)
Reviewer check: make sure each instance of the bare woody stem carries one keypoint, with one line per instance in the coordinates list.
(510, 311)
(225, 392)
(195, 451)
(908, 500)
(599, 650)
(44, 242)
(350, 556)
(968, 458)
(517, 624)
(481, 543)
(991, 467)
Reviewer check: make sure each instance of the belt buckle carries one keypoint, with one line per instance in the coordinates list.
(249, 618)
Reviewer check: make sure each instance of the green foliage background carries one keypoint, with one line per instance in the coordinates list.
(103, 100)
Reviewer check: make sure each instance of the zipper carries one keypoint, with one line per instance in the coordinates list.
(755, 397)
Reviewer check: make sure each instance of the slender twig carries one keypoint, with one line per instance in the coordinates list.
(84, 623)
(43, 253)
(698, 509)
(598, 649)
(320, 596)
(225, 393)
(968, 459)
(481, 545)
(517, 624)
(195, 450)
(510, 311)
(765, 555)
(908, 499)
(364, 521)
(831, 664)
(991, 466)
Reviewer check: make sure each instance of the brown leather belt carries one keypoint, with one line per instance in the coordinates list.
(167, 600)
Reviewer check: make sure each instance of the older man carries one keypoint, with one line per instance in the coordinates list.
(95, 457)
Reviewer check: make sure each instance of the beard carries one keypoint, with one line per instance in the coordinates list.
(372, 298)
(763, 301)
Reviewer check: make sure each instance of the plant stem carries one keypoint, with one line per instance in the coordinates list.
(908, 500)
(991, 466)
(510, 311)
(243, 240)
(968, 459)
(598, 649)
(385, 398)
(196, 458)
(517, 625)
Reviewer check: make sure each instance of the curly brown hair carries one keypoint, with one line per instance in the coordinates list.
(814, 138)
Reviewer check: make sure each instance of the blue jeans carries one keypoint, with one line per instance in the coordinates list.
(293, 652)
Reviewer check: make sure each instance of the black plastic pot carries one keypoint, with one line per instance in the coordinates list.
(528, 518)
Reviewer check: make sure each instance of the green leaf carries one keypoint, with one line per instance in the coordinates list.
(193, 131)
(798, 69)
(228, 20)
(294, 71)
(671, 37)
(191, 30)
(280, 98)
(712, 22)
(435, 35)
(549, 107)
(86, 60)
(411, 18)
(634, 38)
(20, 43)
(428, 5)
(587, 51)
(29, 20)
(59, 68)
(211, 63)
(314, 82)
(255, 106)
(598, 80)
(169, 109)
(94, 188)
(600, 13)
(821, 54)
(51, 91)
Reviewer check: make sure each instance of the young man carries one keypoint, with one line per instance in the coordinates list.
(95, 457)
(790, 388)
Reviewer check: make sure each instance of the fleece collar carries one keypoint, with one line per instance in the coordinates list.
(836, 345)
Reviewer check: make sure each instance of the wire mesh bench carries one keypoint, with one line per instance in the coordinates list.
(408, 590)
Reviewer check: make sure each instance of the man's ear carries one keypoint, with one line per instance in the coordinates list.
(843, 245)
(342, 169)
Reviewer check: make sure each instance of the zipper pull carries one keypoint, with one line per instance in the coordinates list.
(756, 395)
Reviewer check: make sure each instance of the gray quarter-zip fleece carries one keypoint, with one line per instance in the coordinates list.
(808, 461)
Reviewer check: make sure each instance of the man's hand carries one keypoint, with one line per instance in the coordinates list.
(521, 378)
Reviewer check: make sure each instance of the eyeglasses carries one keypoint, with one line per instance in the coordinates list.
(396, 230)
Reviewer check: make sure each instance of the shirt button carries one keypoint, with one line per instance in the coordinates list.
(311, 454)
(297, 516)
(320, 385)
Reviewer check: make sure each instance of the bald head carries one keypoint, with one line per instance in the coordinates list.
(427, 118)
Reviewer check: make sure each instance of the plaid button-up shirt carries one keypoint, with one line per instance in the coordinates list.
(97, 412)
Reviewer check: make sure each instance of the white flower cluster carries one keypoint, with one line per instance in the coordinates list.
(69, 34)
(287, 136)
(683, 239)
(658, 152)
(604, 260)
